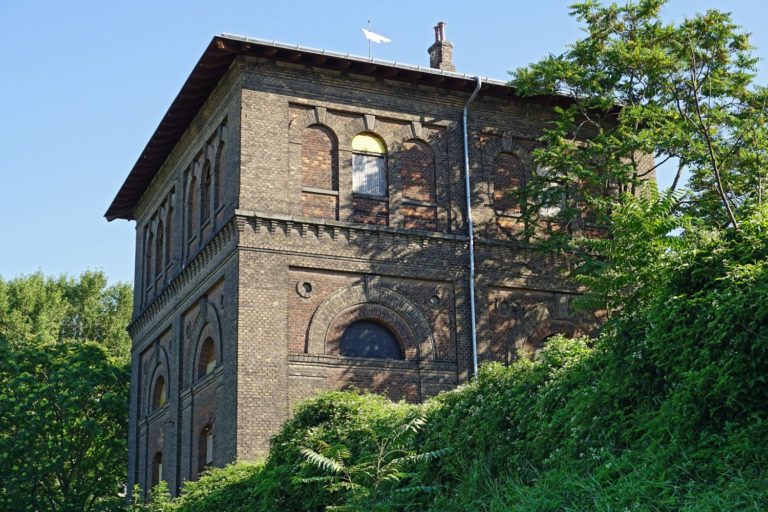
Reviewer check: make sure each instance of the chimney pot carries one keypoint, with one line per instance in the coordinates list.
(441, 52)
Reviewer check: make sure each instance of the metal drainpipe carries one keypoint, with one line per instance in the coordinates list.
(471, 231)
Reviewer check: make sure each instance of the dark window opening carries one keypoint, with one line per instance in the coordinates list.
(160, 394)
(207, 362)
(205, 193)
(205, 448)
(157, 468)
(366, 338)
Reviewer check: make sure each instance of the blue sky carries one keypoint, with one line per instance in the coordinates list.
(85, 83)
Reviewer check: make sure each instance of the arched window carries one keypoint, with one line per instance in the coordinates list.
(219, 181)
(192, 208)
(205, 447)
(159, 393)
(366, 338)
(157, 468)
(207, 361)
(369, 165)
(205, 193)
(148, 249)
(418, 171)
(508, 176)
(319, 173)
(319, 159)
(169, 236)
(159, 249)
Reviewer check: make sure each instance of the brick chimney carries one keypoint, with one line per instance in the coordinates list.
(441, 52)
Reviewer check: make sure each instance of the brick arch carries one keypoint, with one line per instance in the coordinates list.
(387, 306)
(542, 321)
(504, 143)
(539, 334)
(395, 136)
(161, 364)
(206, 325)
(356, 126)
(309, 117)
(384, 315)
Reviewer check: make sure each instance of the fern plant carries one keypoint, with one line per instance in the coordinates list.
(379, 481)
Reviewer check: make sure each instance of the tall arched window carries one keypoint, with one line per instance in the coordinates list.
(169, 239)
(205, 193)
(159, 393)
(157, 468)
(366, 338)
(219, 181)
(205, 448)
(159, 249)
(319, 173)
(207, 361)
(418, 171)
(369, 165)
(508, 176)
(148, 250)
(192, 207)
(319, 159)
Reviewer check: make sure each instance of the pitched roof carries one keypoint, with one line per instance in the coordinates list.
(212, 66)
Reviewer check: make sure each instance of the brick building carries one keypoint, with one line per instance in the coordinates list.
(301, 226)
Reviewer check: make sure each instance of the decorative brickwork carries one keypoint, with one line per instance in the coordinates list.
(374, 302)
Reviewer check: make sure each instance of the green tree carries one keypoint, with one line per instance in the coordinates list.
(45, 309)
(63, 391)
(63, 410)
(642, 93)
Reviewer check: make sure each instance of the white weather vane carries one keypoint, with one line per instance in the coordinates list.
(372, 36)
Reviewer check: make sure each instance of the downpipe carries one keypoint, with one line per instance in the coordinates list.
(471, 229)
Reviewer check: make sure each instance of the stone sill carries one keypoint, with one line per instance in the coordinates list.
(320, 191)
(360, 362)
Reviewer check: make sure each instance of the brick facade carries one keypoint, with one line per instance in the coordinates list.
(266, 250)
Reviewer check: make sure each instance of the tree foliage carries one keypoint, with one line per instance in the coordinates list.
(36, 308)
(63, 392)
(63, 408)
(642, 93)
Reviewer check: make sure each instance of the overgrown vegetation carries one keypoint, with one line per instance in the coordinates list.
(667, 410)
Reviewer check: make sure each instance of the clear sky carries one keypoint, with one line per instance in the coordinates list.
(84, 84)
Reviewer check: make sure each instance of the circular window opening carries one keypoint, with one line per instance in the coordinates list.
(367, 338)
(305, 288)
